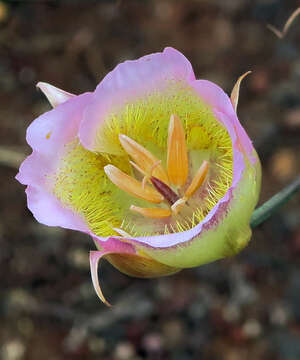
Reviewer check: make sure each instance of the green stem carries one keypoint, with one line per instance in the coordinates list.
(269, 207)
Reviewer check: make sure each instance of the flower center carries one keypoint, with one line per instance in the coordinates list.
(159, 186)
(81, 184)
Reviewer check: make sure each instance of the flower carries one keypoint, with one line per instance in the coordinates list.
(153, 164)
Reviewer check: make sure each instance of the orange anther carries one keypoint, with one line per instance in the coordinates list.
(197, 180)
(177, 158)
(131, 185)
(143, 158)
(153, 213)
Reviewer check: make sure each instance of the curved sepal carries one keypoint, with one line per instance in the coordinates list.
(124, 257)
(54, 95)
(95, 257)
(234, 97)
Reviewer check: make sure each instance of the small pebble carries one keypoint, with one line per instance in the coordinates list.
(124, 351)
(252, 328)
(284, 164)
(231, 313)
(152, 342)
(279, 315)
(13, 350)
(292, 118)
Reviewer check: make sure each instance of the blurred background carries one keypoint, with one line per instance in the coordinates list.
(247, 307)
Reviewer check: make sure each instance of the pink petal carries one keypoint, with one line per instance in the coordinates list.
(51, 131)
(47, 136)
(49, 211)
(130, 81)
(213, 95)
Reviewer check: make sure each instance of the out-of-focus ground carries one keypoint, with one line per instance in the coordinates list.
(245, 308)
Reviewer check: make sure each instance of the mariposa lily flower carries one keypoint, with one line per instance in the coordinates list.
(153, 164)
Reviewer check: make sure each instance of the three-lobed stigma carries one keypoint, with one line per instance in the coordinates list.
(156, 186)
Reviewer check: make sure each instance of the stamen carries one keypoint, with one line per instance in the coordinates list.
(153, 213)
(178, 205)
(165, 190)
(195, 184)
(147, 177)
(143, 158)
(137, 168)
(197, 180)
(131, 185)
(177, 160)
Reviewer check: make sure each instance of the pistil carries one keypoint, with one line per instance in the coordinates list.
(165, 190)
